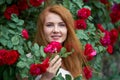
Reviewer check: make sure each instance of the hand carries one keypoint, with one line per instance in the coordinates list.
(54, 65)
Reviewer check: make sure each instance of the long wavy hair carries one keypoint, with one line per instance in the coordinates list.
(73, 63)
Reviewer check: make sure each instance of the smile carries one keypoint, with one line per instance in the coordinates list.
(55, 37)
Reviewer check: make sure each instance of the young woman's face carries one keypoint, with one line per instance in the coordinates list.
(54, 28)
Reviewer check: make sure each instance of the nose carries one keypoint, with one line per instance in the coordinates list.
(56, 29)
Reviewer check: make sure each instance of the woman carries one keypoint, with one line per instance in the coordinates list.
(55, 23)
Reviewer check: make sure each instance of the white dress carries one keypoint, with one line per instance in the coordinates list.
(61, 70)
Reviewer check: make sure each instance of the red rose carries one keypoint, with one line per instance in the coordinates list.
(113, 36)
(25, 34)
(11, 57)
(100, 27)
(116, 7)
(104, 1)
(119, 29)
(2, 54)
(87, 72)
(36, 3)
(80, 24)
(115, 13)
(115, 16)
(34, 69)
(110, 49)
(85, 0)
(89, 52)
(11, 10)
(53, 47)
(83, 13)
(37, 69)
(23, 5)
(45, 65)
(105, 41)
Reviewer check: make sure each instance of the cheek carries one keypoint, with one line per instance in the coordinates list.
(47, 33)
(65, 33)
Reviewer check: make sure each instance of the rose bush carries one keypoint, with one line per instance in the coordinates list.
(97, 22)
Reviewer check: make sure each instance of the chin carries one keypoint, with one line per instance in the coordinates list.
(56, 41)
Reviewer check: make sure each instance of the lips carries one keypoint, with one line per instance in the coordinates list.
(56, 37)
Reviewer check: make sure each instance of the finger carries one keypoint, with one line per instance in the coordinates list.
(52, 62)
(53, 69)
(57, 64)
(57, 67)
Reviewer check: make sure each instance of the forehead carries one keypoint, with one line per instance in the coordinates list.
(50, 17)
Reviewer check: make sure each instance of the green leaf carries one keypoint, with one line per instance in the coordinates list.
(12, 25)
(4, 32)
(11, 31)
(23, 58)
(98, 4)
(78, 3)
(9, 74)
(15, 40)
(101, 48)
(6, 36)
(30, 61)
(63, 50)
(36, 46)
(3, 41)
(66, 54)
(9, 44)
(2, 2)
(21, 22)
(117, 1)
(14, 18)
(68, 77)
(24, 72)
(78, 78)
(36, 50)
(37, 53)
(20, 50)
(110, 26)
(66, 3)
(5, 75)
(91, 27)
(9, 1)
(29, 44)
(42, 52)
(24, 75)
(20, 64)
(81, 35)
(19, 29)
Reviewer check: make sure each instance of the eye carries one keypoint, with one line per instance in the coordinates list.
(62, 24)
(49, 24)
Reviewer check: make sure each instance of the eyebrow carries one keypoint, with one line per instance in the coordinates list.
(53, 22)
